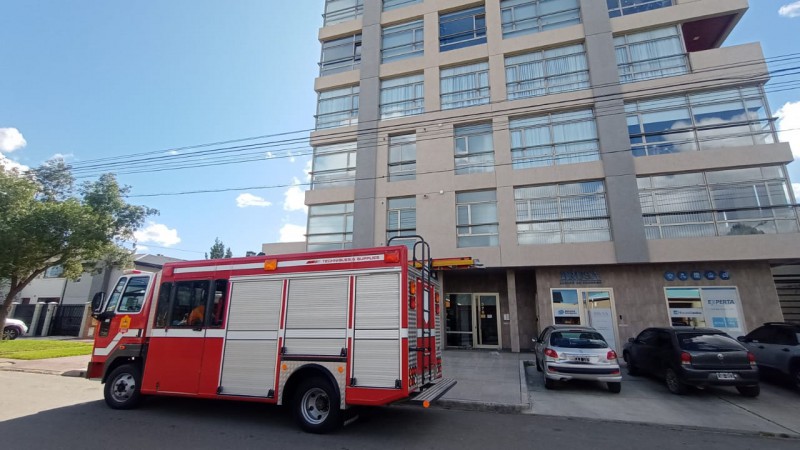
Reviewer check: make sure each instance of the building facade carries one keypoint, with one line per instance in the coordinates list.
(610, 163)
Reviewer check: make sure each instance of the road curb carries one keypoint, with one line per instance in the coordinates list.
(465, 405)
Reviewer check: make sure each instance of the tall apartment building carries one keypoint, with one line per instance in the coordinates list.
(609, 163)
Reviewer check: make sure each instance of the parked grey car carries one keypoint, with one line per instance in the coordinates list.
(776, 346)
(567, 352)
(14, 328)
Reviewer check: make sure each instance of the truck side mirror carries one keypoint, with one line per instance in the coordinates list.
(97, 302)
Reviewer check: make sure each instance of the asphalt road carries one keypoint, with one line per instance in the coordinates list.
(51, 412)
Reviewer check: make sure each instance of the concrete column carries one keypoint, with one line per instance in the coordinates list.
(35, 321)
(511, 282)
(48, 317)
(624, 209)
(86, 320)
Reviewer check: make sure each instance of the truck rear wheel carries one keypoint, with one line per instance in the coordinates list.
(316, 406)
(123, 387)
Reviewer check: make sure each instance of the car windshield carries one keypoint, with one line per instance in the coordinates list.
(707, 342)
(577, 339)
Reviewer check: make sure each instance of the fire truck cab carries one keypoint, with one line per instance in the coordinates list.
(319, 332)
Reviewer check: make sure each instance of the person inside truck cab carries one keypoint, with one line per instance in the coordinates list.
(197, 315)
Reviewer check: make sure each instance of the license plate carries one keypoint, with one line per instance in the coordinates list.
(580, 359)
(725, 376)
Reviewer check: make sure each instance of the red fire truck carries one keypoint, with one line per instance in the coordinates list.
(319, 332)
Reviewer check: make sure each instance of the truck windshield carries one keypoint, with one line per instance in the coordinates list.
(133, 297)
(113, 299)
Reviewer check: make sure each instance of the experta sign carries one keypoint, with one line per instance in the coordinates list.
(721, 309)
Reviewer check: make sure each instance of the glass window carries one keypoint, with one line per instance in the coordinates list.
(577, 339)
(476, 223)
(545, 72)
(340, 55)
(474, 152)
(708, 343)
(708, 120)
(402, 41)
(650, 54)
(337, 108)
(402, 96)
(401, 220)
(562, 213)
(618, 8)
(720, 203)
(334, 165)
(113, 299)
(462, 29)
(330, 227)
(337, 11)
(54, 272)
(403, 157)
(554, 139)
(533, 16)
(133, 297)
(565, 307)
(163, 306)
(394, 4)
(189, 303)
(218, 303)
(465, 86)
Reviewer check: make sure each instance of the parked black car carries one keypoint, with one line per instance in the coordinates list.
(700, 357)
(776, 346)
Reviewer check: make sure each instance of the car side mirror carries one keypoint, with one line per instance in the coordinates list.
(97, 302)
(742, 339)
(631, 340)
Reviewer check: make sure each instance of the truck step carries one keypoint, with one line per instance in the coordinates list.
(434, 391)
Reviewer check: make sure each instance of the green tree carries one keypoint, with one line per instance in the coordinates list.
(46, 221)
(219, 251)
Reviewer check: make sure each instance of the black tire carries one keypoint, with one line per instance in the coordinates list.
(10, 333)
(632, 369)
(316, 406)
(674, 384)
(123, 387)
(614, 387)
(538, 366)
(749, 391)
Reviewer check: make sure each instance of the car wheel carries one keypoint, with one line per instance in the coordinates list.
(538, 366)
(548, 383)
(632, 369)
(614, 388)
(316, 406)
(10, 333)
(123, 387)
(749, 391)
(674, 384)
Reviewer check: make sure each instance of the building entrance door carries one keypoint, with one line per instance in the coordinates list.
(592, 307)
(473, 320)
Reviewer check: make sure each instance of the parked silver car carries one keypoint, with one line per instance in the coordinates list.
(14, 328)
(566, 352)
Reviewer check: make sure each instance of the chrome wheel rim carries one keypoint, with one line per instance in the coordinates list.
(316, 406)
(123, 387)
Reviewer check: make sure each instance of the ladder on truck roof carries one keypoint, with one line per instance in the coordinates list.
(421, 259)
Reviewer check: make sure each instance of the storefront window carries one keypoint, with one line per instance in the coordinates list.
(565, 307)
(715, 307)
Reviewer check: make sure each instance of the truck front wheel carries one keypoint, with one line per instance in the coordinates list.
(316, 406)
(122, 390)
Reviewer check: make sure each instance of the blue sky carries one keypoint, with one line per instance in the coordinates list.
(90, 80)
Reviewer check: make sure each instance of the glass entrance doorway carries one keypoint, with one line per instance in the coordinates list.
(592, 307)
(473, 320)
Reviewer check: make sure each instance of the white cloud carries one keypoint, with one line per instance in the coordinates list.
(158, 233)
(173, 152)
(9, 165)
(292, 233)
(269, 155)
(11, 139)
(790, 10)
(307, 170)
(142, 249)
(789, 124)
(294, 197)
(63, 156)
(246, 199)
(796, 189)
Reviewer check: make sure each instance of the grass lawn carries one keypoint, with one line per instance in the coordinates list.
(29, 349)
